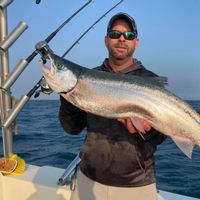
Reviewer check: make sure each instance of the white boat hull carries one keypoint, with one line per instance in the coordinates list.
(38, 183)
(35, 183)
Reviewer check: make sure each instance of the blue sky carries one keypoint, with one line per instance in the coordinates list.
(169, 33)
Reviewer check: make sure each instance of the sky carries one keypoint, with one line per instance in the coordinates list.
(169, 33)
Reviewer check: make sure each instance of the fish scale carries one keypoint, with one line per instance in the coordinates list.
(121, 96)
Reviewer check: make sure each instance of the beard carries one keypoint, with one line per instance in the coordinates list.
(120, 51)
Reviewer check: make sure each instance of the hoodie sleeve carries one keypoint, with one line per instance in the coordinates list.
(154, 137)
(72, 119)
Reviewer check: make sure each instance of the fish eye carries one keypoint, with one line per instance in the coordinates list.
(59, 66)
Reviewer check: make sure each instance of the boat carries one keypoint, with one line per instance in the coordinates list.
(38, 183)
(35, 182)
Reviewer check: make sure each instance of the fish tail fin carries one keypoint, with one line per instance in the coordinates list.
(185, 145)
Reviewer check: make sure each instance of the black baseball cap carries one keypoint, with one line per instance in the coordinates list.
(125, 16)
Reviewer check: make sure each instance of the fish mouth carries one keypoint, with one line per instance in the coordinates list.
(50, 73)
(48, 70)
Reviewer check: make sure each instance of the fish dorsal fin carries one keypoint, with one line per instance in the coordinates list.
(185, 145)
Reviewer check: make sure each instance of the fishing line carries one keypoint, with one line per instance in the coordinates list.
(45, 50)
(12, 78)
(53, 34)
(92, 26)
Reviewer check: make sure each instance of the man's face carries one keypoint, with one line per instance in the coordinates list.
(121, 48)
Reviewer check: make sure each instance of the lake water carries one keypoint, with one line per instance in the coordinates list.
(42, 141)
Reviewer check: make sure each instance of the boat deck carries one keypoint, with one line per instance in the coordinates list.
(41, 183)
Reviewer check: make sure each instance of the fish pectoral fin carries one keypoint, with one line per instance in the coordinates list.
(185, 145)
(137, 122)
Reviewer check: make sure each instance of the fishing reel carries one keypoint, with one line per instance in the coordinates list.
(43, 49)
(44, 88)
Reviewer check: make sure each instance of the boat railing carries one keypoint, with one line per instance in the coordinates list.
(7, 79)
(69, 174)
(9, 107)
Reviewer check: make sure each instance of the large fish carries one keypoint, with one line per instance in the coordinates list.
(119, 96)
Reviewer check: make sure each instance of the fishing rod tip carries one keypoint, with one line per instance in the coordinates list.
(37, 1)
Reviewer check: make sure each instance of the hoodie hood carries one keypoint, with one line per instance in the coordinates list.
(135, 66)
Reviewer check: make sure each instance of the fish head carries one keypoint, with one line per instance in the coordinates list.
(59, 75)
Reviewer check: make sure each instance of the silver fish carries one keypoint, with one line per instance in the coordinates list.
(119, 96)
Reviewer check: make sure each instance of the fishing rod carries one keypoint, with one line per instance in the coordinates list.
(12, 77)
(37, 1)
(23, 63)
(44, 86)
(44, 49)
(53, 34)
(92, 26)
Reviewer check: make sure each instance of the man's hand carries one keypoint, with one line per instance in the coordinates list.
(131, 124)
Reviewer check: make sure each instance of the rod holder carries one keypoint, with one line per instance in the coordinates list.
(13, 36)
(68, 173)
(15, 111)
(15, 73)
(5, 3)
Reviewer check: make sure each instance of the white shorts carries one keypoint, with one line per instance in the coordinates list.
(87, 189)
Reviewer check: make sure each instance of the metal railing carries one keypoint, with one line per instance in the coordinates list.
(6, 40)
(10, 108)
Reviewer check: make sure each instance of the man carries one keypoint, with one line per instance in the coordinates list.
(117, 162)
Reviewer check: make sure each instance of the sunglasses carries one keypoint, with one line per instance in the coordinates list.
(117, 34)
